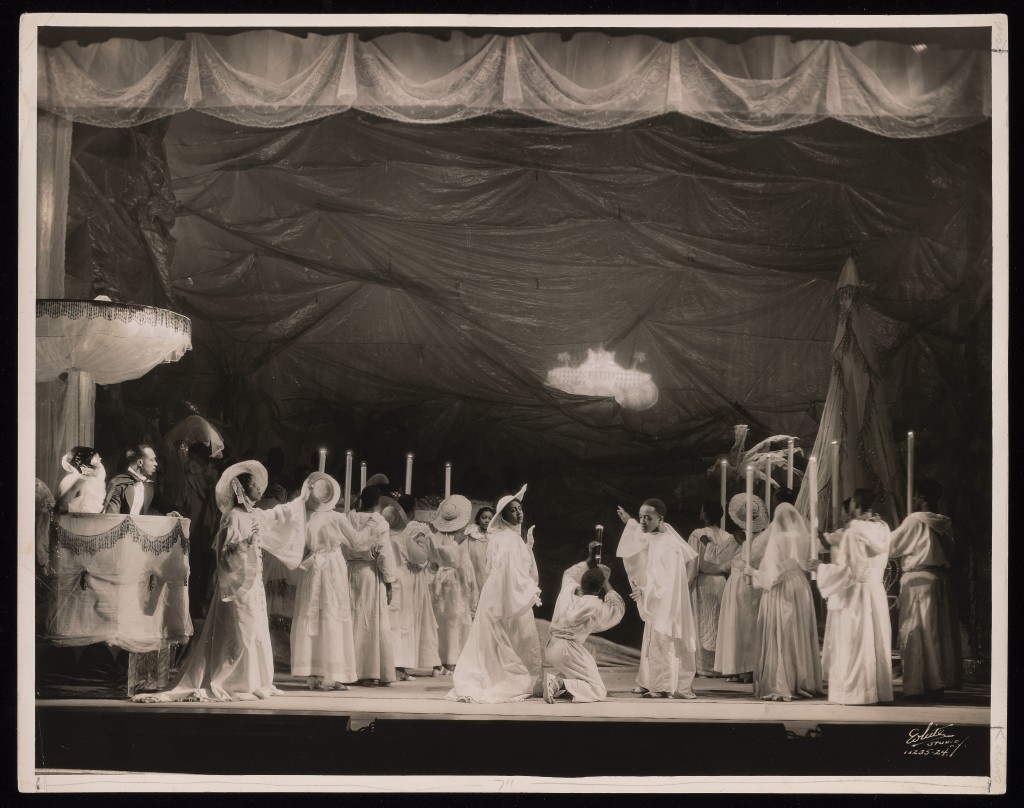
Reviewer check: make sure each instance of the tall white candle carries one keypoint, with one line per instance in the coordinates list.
(811, 481)
(750, 514)
(447, 480)
(348, 480)
(323, 460)
(768, 486)
(362, 475)
(789, 463)
(408, 473)
(835, 485)
(910, 472)
(724, 466)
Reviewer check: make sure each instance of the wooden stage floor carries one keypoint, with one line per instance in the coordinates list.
(409, 729)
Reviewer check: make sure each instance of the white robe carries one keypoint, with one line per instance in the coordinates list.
(856, 658)
(233, 660)
(714, 565)
(476, 549)
(321, 635)
(576, 617)
(501, 659)
(453, 593)
(737, 618)
(371, 624)
(413, 626)
(929, 628)
(662, 565)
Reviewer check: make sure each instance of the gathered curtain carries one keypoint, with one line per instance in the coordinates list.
(276, 79)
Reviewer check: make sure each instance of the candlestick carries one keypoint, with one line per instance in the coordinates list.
(724, 466)
(910, 472)
(750, 514)
(768, 487)
(323, 460)
(812, 482)
(362, 475)
(348, 480)
(408, 473)
(835, 485)
(447, 480)
(789, 463)
(599, 537)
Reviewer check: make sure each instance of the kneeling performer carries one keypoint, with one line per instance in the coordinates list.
(586, 604)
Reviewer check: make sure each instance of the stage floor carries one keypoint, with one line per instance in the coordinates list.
(717, 701)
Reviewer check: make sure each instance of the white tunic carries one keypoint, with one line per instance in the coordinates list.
(714, 565)
(371, 624)
(575, 618)
(453, 593)
(413, 626)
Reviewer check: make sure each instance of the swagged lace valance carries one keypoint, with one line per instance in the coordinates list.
(276, 79)
(111, 341)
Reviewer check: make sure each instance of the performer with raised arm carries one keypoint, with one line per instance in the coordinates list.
(370, 579)
(716, 548)
(586, 604)
(929, 628)
(660, 566)
(856, 659)
(501, 660)
(233, 660)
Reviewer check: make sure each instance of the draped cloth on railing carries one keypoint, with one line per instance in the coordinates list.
(120, 580)
(275, 79)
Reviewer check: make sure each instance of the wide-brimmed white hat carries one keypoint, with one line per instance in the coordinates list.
(323, 490)
(392, 512)
(453, 514)
(225, 498)
(758, 512)
(378, 479)
(505, 500)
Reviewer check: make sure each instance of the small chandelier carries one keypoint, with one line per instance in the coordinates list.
(601, 375)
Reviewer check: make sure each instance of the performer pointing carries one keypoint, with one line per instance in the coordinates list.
(661, 565)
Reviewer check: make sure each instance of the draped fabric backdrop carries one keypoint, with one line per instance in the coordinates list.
(356, 279)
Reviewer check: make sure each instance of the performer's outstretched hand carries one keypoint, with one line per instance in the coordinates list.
(622, 515)
(637, 593)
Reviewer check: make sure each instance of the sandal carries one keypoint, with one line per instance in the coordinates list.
(652, 694)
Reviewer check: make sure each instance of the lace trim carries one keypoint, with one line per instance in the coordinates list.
(115, 312)
(90, 545)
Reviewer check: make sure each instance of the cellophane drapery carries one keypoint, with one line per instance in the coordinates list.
(274, 79)
(120, 580)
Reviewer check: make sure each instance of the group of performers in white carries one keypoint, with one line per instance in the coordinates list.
(380, 594)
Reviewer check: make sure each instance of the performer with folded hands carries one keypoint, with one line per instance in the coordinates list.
(586, 604)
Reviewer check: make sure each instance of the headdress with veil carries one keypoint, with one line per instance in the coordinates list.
(789, 538)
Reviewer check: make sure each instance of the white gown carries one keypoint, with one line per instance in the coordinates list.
(706, 595)
(453, 592)
(321, 635)
(662, 565)
(233, 660)
(371, 623)
(856, 659)
(501, 659)
(575, 618)
(413, 625)
(737, 618)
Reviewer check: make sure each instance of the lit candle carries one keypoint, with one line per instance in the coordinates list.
(789, 463)
(599, 538)
(447, 480)
(408, 473)
(362, 475)
(724, 466)
(750, 514)
(323, 460)
(348, 480)
(811, 480)
(910, 472)
(768, 487)
(835, 485)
